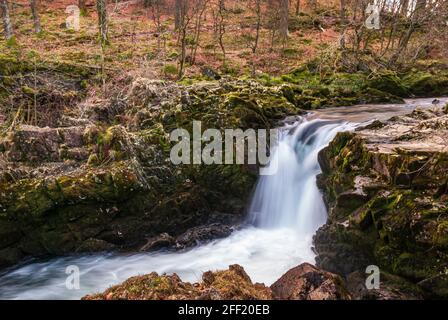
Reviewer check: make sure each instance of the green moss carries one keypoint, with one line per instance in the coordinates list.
(425, 84)
(414, 266)
(441, 234)
(389, 82)
(38, 197)
(170, 69)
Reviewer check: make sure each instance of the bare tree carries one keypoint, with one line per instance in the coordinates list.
(297, 7)
(156, 9)
(7, 25)
(342, 9)
(257, 4)
(284, 17)
(273, 14)
(404, 7)
(201, 6)
(36, 18)
(222, 28)
(406, 31)
(184, 20)
(180, 8)
(103, 28)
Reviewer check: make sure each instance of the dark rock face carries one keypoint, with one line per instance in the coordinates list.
(385, 186)
(306, 282)
(391, 288)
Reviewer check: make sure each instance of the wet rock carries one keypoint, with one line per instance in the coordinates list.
(347, 202)
(9, 233)
(163, 240)
(390, 288)
(306, 282)
(436, 286)
(197, 235)
(342, 249)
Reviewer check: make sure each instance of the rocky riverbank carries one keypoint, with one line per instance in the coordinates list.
(304, 282)
(386, 189)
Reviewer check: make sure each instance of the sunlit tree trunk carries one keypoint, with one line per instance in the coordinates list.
(7, 25)
(36, 18)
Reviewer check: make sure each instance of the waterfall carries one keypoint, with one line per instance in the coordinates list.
(285, 211)
(290, 197)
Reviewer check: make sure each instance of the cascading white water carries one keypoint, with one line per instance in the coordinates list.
(290, 198)
(286, 210)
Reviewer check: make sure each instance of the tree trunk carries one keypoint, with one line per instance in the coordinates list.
(342, 13)
(36, 19)
(297, 7)
(7, 25)
(404, 7)
(178, 15)
(101, 7)
(284, 17)
(420, 8)
(222, 29)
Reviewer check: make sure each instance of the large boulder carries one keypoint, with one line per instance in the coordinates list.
(306, 282)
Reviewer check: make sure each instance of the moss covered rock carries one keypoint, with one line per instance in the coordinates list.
(398, 218)
(231, 284)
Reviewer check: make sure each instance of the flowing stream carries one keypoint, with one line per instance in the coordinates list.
(285, 211)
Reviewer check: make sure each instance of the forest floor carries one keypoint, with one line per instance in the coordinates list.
(135, 45)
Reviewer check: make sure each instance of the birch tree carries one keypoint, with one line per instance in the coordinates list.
(7, 25)
(36, 18)
(101, 8)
